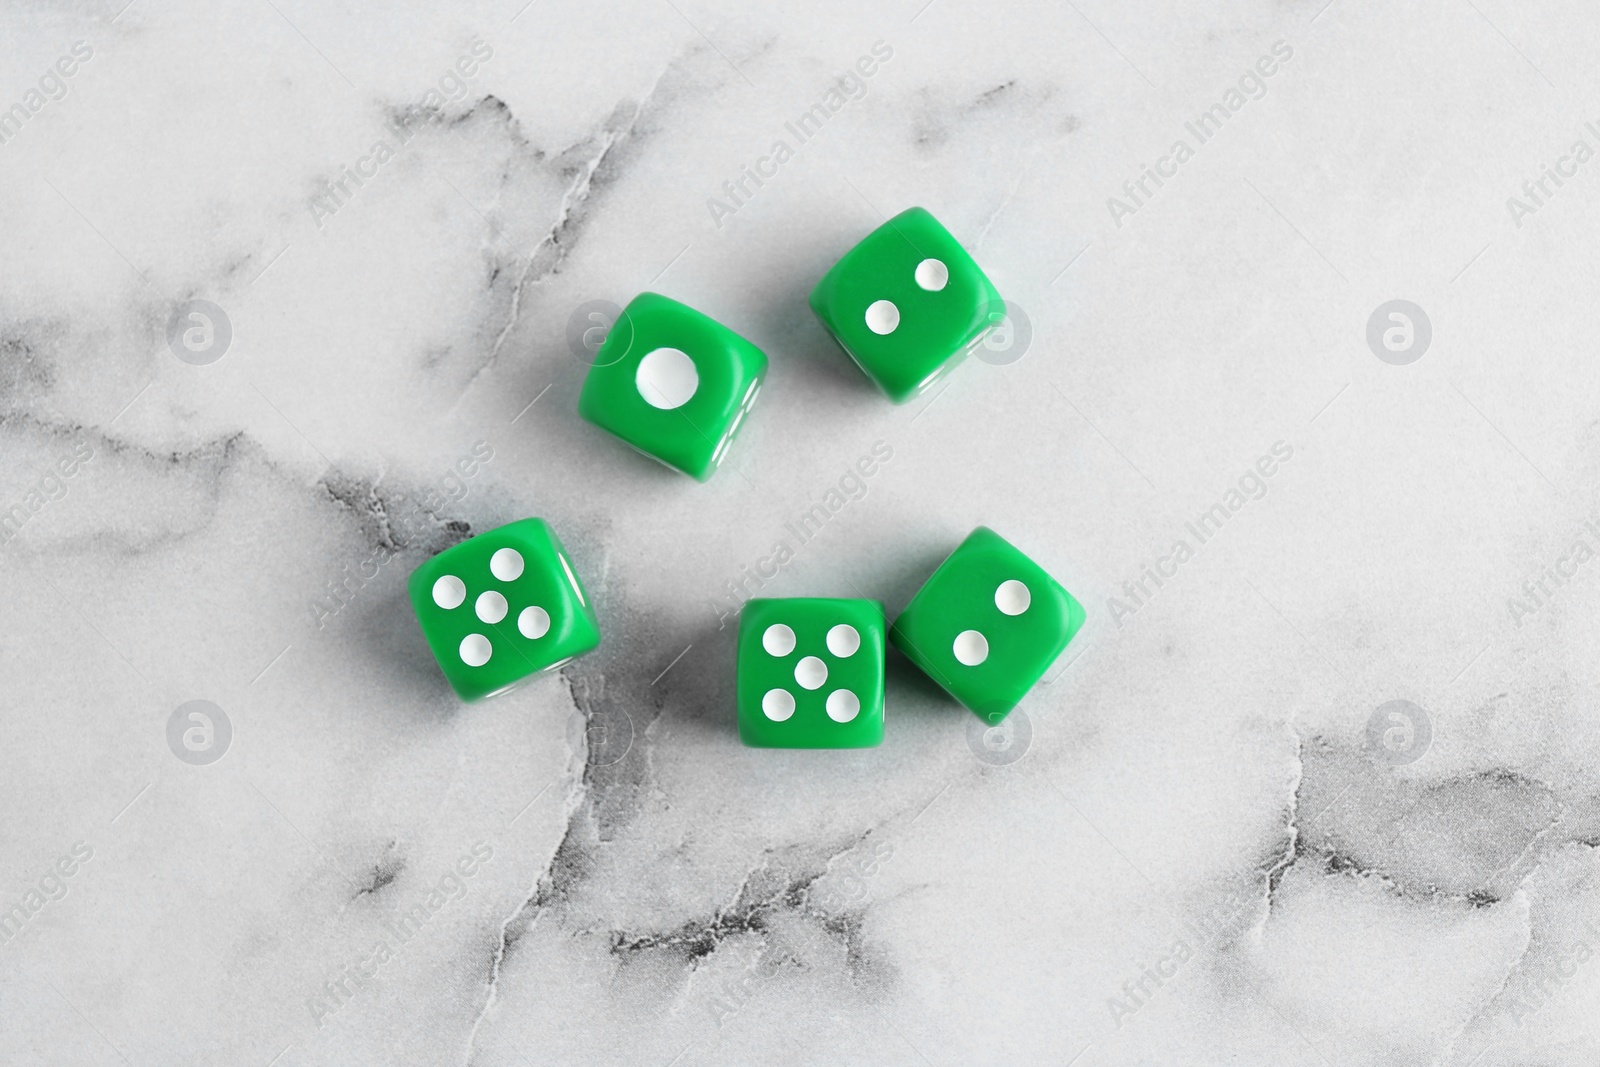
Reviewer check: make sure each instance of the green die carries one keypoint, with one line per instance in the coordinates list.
(987, 625)
(673, 383)
(907, 304)
(811, 673)
(501, 607)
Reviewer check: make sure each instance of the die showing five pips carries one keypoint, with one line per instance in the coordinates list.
(907, 304)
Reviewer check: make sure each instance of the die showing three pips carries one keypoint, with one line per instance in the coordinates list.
(907, 304)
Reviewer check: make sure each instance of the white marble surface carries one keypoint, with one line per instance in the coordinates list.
(1198, 801)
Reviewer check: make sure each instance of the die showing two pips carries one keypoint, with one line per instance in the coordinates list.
(907, 304)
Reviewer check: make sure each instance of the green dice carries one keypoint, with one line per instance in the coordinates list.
(907, 304)
(673, 383)
(811, 673)
(501, 607)
(987, 624)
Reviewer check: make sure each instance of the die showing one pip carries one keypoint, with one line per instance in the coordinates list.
(987, 624)
(673, 383)
(501, 607)
(907, 304)
(811, 673)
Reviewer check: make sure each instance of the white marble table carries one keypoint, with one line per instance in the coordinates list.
(1210, 837)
